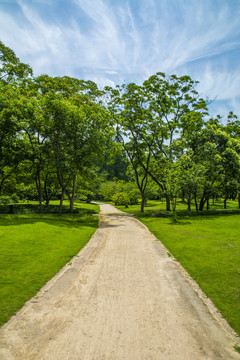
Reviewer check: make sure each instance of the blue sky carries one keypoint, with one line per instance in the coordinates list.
(115, 41)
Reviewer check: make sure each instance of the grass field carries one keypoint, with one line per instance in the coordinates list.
(209, 249)
(33, 248)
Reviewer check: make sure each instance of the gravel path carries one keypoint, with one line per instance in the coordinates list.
(122, 297)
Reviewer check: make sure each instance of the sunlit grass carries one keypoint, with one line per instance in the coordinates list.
(208, 246)
(33, 248)
(160, 206)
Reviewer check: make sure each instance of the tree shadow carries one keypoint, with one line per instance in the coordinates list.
(28, 214)
(106, 220)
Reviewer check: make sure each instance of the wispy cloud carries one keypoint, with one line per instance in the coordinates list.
(127, 40)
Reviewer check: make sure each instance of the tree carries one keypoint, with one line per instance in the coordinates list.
(37, 129)
(192, 177)
(153, 123)
(12, 142)
(127, 106)
(115, 164)
(79, 126)
(11, 69)
(232, 128)
(218, 153)
(176, 111)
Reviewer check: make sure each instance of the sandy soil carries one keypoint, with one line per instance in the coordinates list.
(122, 297)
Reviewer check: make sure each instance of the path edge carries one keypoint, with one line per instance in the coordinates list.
(77, 261)
(212, 309)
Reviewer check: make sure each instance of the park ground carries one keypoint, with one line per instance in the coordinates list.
(122, 297)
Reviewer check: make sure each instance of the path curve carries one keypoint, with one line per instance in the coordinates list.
(121, 298)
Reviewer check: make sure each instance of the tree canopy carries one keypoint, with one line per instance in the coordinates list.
(58, 135)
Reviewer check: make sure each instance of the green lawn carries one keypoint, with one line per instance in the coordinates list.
(33, 248)
(209, 249)
(160, 205)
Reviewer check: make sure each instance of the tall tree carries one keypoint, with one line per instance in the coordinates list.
(128, 108)
(11, 69)
(79, 125)
(12, 144)
(219, 153)
(176, 111)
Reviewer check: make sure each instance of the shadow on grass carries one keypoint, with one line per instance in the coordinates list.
(29, 214)
(183, 216)
(34, 209)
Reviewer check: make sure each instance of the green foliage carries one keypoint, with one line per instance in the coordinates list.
(115, 164)
(61, 136)
(153, 191)
(57, 125)
(153, 123)
(10, 66)
(107, 190)
(110, 190)
(4, 200)
(130, 114)
(121, 198)
(15, 198)
(237, 348)
(133, 196)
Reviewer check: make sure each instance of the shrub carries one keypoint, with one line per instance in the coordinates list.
(4, 200)
(107, 190)
(15, 198)
(133, 197)
(111, 189)
(121, 198)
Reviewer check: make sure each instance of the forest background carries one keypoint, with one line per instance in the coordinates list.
(62, 137)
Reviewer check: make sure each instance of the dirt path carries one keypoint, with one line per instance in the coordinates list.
(121, 298)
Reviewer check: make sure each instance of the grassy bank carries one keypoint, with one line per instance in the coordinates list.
(208, 246)
(33, 248)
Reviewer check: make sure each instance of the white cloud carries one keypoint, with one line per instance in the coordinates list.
(129, 41)
(35, 43)
(193, 33)
(220, 84)
(111, 72)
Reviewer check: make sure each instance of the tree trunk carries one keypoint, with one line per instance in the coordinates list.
(71, 204)
(225, 202)
(61, 203)
(39, 189)
(168, 204)
(72, 198)
(202, 203)
(46, 193)
(196, 204)
(63, 185)
(174, 203)
(189, 205)
(207, 204)
(142, 201)
(239, 200)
